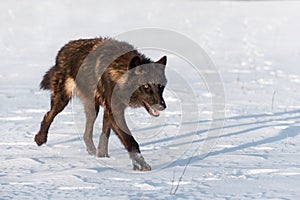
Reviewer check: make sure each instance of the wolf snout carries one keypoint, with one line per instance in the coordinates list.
(161, 106)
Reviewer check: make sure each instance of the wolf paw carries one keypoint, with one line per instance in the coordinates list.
(139, 162)
(102, 154)
(40, 139)
(141, 166)
(91, 150)
(102, 150)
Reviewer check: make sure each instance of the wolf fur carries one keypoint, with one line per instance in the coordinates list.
(108, 73)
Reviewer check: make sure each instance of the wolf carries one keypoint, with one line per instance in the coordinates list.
(108, 73)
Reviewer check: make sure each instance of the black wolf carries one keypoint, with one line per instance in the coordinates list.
(108, 73)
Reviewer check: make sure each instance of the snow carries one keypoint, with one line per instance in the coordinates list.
(256, 50)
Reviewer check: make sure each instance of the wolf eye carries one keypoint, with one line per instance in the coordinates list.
(146, 86)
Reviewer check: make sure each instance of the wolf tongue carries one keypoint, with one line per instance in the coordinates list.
(154, 112)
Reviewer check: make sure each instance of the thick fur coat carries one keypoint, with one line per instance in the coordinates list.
(111, 74)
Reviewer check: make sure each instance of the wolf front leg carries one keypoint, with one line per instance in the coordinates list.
(91, 112)
(102, 150)
(120, 127)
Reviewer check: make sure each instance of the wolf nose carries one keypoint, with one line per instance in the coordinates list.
(162, 105)
(159, 107)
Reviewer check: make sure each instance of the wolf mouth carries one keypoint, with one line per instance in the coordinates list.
(152, 111)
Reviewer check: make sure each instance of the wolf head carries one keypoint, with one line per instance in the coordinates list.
(149, 83)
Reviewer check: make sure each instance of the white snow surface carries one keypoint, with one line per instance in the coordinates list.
(256, 49)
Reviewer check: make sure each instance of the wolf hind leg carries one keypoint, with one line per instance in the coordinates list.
(91, 112)
(58, 103)
(102, 150)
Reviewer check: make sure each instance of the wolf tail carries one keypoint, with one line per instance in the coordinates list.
(46, 82)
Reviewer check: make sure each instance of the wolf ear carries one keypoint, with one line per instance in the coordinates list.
(135, 61)
(162, 61)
